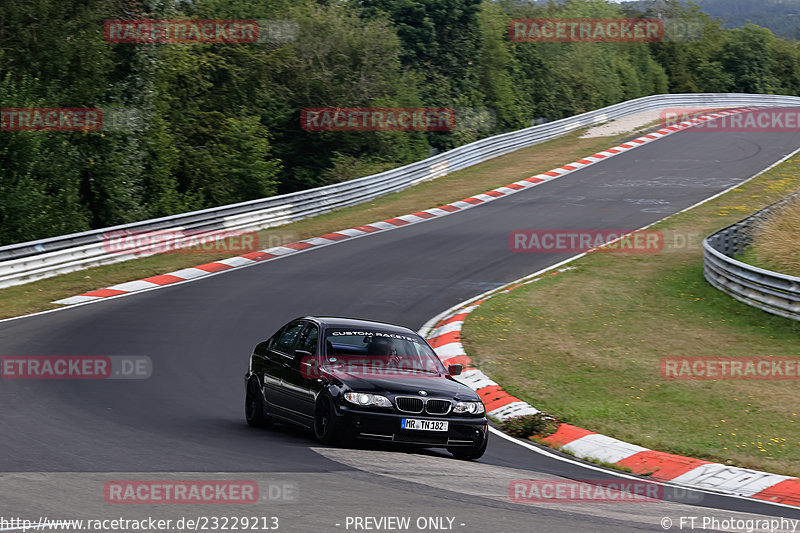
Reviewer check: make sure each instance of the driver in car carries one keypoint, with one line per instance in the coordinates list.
(381, 346)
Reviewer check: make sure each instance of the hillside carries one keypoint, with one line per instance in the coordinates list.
(782, 17)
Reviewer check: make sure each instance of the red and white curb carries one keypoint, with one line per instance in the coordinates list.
(278, 252)
(444, 335)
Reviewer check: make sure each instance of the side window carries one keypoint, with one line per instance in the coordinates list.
(287, 339)
(309, 340)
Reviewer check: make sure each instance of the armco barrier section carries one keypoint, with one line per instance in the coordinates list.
(772, 292)
(30, 261)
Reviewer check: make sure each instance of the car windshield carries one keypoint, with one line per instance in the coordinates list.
(371, 349)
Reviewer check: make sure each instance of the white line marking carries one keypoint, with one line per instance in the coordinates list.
(382, 225)
(447, 328)
(603, 448)
(188, 273)
(551, 454)
(451, 349)
(79, 300)
(351, 232)
(235, 261)
(136, 285)
(513, 409)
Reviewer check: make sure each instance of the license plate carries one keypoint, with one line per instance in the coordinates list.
(424, 425)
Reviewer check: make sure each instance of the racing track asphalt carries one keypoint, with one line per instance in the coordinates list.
(188, 417)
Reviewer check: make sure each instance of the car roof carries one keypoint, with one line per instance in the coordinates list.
(344, 322)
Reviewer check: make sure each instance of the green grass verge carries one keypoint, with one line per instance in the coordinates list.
(33, 297)
(585, 345)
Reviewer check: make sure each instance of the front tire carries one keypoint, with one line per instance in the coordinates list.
(469, 453)
(326, 430)
(254, 405)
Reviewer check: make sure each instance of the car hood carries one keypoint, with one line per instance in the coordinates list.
(406, 383)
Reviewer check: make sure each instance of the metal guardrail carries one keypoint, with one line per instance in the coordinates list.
(770, 291)
(30, 261)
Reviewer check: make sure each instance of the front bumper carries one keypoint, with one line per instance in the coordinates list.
(385, 426)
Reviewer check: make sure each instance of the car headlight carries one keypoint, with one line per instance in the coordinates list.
(365, 400)
(472, 408)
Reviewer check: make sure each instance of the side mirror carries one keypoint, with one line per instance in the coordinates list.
(454, 370)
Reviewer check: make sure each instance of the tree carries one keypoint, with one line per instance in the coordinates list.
(39, 174)
(746, 57)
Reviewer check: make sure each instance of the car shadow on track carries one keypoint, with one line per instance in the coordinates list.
(300, 436)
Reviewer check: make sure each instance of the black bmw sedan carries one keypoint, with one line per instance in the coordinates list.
(345, 378)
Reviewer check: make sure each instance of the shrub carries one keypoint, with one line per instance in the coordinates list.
(539, 424)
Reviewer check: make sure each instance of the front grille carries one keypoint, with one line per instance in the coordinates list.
(438, 407)
(409, 404)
